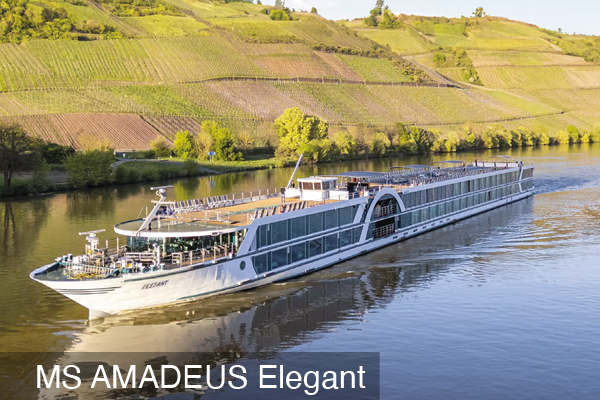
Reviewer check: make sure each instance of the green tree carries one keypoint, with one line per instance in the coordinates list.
(90, 168)
(16, 149)
(345, 142)
(296, 129)
(225, 146)
(573, 134)
(540, 135)
(595, 134)
(380, 144)
(278, 3)
(389, 21)
(279, 15)
(478, 13)
(439, 59)
(313, 10)
(160, 147)
(562, 137)
(183, 146)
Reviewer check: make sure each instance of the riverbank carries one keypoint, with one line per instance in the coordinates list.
(137, 171)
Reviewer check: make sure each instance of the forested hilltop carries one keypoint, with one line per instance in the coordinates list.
(125, 72)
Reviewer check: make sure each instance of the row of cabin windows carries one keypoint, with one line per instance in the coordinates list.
(305, 225)
(301, 251)
(317, 185)
(421, 197)
(441, 209)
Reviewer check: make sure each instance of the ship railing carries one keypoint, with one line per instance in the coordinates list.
(115, 247)
(81, 268)
(384, 231)
(216, 202)
(211, 254)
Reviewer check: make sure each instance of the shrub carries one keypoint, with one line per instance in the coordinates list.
(55, 153)
(439, 59)
(223, 145)
(184, 145)
(90, 168)
(296, 129)
(573, 134)
(190, 168)
(161, 147)
(278, 15)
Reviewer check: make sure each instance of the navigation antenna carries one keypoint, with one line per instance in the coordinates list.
(294, 173)
(93, 241)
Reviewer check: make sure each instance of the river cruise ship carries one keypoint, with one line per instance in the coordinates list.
(188, 250)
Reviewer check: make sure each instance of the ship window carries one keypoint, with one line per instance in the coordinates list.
(318, 186)
(260, 263)
(326, 185)
(345, 238)
(298, 227)
(279, 258)
(315, 223)
(405, 220)
(345, 216)
(357, 232)
(278, 232)
(315, 247)
(262, 236)
(331, 242)
(298, 252)
(331, 219)
(243, 265)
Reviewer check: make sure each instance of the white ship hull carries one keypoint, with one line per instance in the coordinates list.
(104, 297)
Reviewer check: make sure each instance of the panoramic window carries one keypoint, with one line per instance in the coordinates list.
(315, 247)
(298, 227)
(279, 258)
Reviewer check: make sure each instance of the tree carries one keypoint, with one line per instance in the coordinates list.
(222, 142)
(478, 13)
(313, 10)
(371, 20)
(296, 129)
(184, 145)
(439, 59)
(55, 154)
(345, 142)
(573, 134)
(90, 168)
(160, 147)
(389, 21)
(279, 15)
(15, 149)
(278, 3)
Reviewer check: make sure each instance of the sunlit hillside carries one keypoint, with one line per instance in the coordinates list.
(129, 72)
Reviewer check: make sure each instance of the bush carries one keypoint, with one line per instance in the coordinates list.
(90, 168)
(439, 59)
(55, 153)
(160, 147)
(296, 129)
(278, 15)
(223, 144)
(190, 168)
(184, 145)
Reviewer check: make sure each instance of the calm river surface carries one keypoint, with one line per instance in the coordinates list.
(502, 305)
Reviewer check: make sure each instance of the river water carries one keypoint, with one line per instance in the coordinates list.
(502, 305)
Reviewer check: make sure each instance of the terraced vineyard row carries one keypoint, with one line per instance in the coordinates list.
(122, 131)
